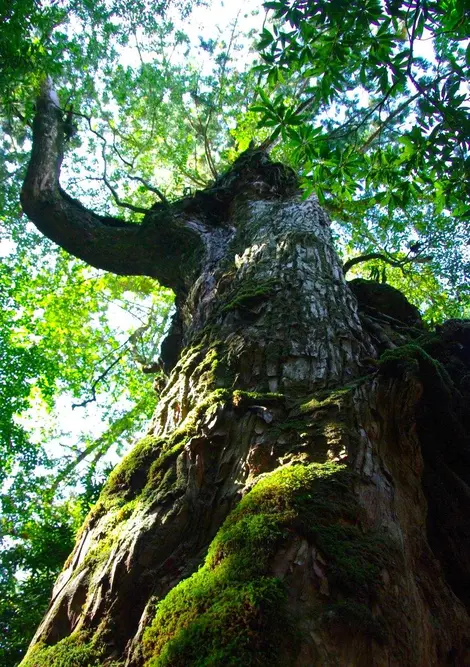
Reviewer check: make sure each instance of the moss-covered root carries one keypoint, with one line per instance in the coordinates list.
(233, 612)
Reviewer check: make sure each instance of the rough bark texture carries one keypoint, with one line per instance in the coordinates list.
(302, 495)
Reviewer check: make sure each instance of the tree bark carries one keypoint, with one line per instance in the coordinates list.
(301, 497)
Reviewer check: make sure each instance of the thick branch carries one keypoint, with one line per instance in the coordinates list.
(399, 263)
(154, 248)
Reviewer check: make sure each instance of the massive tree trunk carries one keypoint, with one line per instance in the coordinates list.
(302, 495)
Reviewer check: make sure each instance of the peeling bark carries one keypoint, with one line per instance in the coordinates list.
(277, 510)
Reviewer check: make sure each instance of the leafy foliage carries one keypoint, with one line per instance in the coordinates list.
(405, 105)
(56, 340)
(371, 102)
(30, 563)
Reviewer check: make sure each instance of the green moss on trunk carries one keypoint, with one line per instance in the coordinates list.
(78, 650)
(232, 611)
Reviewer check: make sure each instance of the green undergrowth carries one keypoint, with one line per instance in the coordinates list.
(232, 611)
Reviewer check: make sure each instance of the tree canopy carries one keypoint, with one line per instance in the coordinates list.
(367, 100)
(379, 126)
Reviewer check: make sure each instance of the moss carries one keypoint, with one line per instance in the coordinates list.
(214, 624)
(127, 510)
(162, 478)
(232, 612)
(202, 409)
(323, 399)
(77, 650)
(300, 426)
(190, 358)
(130, 476)
(412, 357)
(204, 365)
(97, 554)
(355, 558)
(138, 469)
(110, 530)
(206, 372)
(241, 399)
(159, 473)
(250, 294)
(319, 424)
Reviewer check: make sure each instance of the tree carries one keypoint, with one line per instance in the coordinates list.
(283, 460)
(302, 493)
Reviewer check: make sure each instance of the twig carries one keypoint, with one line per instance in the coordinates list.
(150, 187)
(383, 124)
(95, 384)
(119, 202)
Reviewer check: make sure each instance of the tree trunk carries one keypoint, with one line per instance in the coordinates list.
(296, 501)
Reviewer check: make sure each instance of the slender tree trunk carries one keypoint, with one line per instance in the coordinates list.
(296, 501)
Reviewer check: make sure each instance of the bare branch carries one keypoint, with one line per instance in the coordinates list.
(99, 379)
(150, 187)
(384, 123)
(119, 202)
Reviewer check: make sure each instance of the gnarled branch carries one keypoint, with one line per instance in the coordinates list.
(156, 248)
